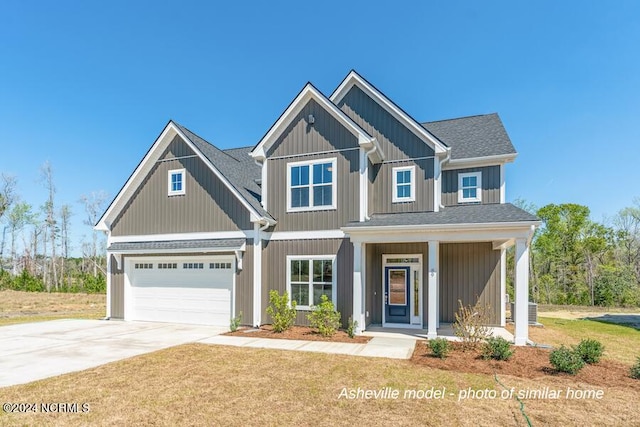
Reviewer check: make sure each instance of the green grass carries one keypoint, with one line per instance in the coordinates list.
(621, 342)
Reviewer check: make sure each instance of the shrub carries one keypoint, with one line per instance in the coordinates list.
(235, 322)
(471, 324)
(282, 315)
(566, 360)
(324, 317)
(351, 327)
(635, 370)
(590, 350)
(497, 348)
(440, 347)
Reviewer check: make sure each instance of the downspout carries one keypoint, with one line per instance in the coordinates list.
(444, 159)
(366, 158)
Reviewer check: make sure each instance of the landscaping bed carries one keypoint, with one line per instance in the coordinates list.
(297, 333)
(526, 362)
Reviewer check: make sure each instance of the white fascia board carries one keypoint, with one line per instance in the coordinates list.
(182, 236)
(177, 251)
(442, 227)
(473, 162)
(305, 235)
(354, 78)
(477, 235)
(308, 92)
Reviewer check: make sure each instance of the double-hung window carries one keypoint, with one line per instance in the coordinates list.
(176, 182)
(311, 185)
(404, 184)
(469, 187)
(310, 277)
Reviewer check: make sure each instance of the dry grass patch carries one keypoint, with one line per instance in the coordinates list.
(213, 385)
(20, 307)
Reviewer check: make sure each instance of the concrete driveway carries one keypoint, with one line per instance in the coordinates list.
(33, 351)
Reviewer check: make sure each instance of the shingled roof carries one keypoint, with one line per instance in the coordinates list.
(474, 136)
(240, 170)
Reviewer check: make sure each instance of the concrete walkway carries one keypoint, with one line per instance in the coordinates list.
(392, 348)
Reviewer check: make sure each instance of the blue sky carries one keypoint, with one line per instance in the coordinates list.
(89, 85)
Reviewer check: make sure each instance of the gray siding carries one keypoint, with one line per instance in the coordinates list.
(374, 293)
(347, 206)
(244, 286)
(117, 289)
(208, 204)
(397, 142)
(274, 271)
(469, 272)
(490, 185)
(381, 187)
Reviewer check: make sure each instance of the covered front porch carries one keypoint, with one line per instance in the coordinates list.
(411, 276)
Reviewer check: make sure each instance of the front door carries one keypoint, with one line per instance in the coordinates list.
(397, 294)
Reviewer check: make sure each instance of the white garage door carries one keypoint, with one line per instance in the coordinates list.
(195, 290)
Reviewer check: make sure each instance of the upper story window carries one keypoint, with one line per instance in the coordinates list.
(176, 182)
(311, 185)
(469, 187)
(404, 184)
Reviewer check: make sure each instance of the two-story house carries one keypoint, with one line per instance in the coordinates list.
(346, 196)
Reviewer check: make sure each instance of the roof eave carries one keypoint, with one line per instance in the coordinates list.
(440, 227)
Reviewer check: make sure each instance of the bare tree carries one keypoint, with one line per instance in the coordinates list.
(18, 218)
(65, 218)
(7, 198)
(46, 174)
(93, 206)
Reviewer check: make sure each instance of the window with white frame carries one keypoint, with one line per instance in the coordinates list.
(309, 278)
(404, 184)
(311, 185)
(176, 182)
(469, 187)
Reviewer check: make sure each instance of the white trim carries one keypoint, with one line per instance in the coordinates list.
(311, 185)
(305, 235)
(472, 162)
(521, 332)
(314, 153)
(413, 266)
(306, 94)
(478, 176)
(182, 236)
(523, 225)
(263, 183)
(257, 276)
(503, 191)
(354, 78)
(183, 181)
(434, 284)
(364, 185)
(503, 286)
(359, 287)
(311, 258)
(237, 250)
(412, 184)
(437, 185)
(147, 163)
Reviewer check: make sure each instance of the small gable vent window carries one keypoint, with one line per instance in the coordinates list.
(404, 187)
(470, 187)
(176, 182)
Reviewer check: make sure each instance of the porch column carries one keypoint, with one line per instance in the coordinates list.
(434, 280)
(503, 287)
(358, 286)
(257, 276)
(522, 292)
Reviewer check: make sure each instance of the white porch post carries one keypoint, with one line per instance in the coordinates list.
(522, 292)
(257, 275)
(503, 287)
(358, 286)
(434, 280)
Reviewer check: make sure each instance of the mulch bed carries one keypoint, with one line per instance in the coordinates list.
(526, 362)
(297, 333)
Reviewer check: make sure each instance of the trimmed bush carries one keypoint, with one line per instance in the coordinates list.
(440, 347)
(635, 370)
(235, 322)
(471, 324)
(566, 360)
(351, 327)
(497, 348)
(324, 317)
(282, 315)
(590, 350)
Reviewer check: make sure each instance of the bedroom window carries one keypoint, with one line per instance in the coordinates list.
(309, 278)
(404, 184)
(176, 182)
(311, 185)
(469, 187)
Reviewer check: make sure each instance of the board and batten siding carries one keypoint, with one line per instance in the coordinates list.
(490, 184)
(208, 204)
(274, 271)
(469, 272)
(374, 293)
(381, 187)
(244, 286)
(116, 311)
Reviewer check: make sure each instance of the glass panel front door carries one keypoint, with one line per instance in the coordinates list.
(396, 288)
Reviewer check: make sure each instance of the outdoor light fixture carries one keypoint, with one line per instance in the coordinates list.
(312, 119)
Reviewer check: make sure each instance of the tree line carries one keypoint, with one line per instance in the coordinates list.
(575, 260)
(35, 242)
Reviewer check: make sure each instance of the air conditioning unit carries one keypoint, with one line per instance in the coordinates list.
(533, 313)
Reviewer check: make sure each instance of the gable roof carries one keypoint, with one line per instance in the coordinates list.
(307, 93)
(239, 182)
(473, 137)
(355, 79)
